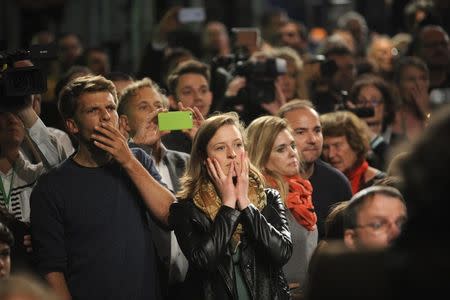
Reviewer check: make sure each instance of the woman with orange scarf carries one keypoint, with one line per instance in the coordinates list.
(346, 146)
(272, 149)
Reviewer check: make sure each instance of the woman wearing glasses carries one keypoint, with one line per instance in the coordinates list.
(370, 93)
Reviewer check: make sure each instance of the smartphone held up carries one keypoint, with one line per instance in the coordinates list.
(175, 120)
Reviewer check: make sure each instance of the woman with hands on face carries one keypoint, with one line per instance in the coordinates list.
(411, 76)
(231, 229)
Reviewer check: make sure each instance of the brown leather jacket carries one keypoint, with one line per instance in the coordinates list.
(266, 247)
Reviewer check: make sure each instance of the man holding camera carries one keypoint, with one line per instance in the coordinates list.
(89, 215)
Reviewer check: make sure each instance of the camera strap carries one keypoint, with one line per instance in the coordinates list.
(7, 197)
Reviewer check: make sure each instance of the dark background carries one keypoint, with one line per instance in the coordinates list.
(125, 26)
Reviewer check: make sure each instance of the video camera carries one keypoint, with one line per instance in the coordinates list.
(18, 83)
(361, 112)
(260, 74)
(326, 69)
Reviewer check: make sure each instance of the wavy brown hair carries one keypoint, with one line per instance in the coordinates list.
(345, 123)
(196, 173)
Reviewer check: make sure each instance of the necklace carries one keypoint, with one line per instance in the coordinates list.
(7, 198)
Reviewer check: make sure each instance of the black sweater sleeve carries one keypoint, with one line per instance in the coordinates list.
(47, 229)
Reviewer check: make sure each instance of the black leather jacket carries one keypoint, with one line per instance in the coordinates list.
(265, 247)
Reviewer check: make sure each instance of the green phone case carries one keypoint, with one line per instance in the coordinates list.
(175, 120)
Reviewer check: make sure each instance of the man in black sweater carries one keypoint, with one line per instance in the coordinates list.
(89, 223)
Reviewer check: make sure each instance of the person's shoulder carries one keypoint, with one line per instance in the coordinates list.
(323, 169)
(179, 209)
(141, 155)
(273, 196)
(57, 173)
(177, 155)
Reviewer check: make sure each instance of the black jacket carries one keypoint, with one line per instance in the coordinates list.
(266, 247)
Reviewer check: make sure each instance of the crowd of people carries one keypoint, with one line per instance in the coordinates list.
(315, 166)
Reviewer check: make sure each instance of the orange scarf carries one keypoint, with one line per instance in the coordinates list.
(356, 176)
(299, 200)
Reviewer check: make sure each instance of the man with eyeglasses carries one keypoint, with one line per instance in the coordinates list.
(374, 218)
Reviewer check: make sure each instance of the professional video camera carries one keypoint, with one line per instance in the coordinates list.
(18, 83)
(260, 74)
(326, 97)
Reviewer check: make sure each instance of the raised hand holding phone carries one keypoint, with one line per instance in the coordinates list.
(196, 121)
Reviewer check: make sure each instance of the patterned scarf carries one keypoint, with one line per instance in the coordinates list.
(209, 202)
(356, 176)
(299, 200)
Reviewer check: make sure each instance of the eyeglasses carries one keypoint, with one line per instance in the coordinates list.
(371, 102)
(382, 226)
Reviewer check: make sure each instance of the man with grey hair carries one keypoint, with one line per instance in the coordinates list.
(139, 105)
(329, 185)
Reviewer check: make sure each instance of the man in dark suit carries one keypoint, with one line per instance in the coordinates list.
(139, 105)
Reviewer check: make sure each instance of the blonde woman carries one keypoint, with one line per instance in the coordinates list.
(272, 149)
(231, 229)
(293, 84)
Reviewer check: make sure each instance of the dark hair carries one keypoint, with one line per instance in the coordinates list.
(358, 200)
(302, 30)
(187, 67)
(68, 99)
(6, 236)
(334, 222)
(270, 13)
(119, 76)
(408, 61)
(171, 60)
(410, 13)
(68, 76)
(345, 123)
(416, 44)
(390, 103)
(66, 34)
(337, 49)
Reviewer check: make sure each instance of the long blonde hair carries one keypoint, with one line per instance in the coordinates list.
(292, 58)
(196, 173)
(261, 135)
